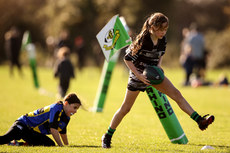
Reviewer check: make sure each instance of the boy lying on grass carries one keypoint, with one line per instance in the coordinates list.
(34, 127)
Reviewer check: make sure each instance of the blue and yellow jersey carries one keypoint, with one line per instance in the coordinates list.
(41, 120)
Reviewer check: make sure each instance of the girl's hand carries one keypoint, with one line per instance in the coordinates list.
(139, 75)
(143, 78)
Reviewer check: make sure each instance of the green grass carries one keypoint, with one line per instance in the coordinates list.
(140, 130)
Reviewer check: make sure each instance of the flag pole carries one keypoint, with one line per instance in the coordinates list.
(112, 38)
(31, 51)
(104, 83)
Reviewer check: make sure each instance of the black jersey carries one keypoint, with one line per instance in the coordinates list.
(64, 69)
(149, 54)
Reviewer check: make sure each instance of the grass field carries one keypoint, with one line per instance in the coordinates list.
(140, 130)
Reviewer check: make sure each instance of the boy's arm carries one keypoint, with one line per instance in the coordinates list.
(64, 139)
(56, 136)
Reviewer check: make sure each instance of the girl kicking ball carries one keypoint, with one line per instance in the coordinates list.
(147, 50)
(34, 127)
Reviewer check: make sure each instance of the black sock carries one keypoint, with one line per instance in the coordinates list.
(195, 116)
(110, 131)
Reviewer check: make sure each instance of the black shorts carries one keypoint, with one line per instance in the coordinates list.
(135, 84)
(20, 131)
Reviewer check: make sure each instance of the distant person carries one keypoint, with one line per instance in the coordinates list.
(64, 40)
(185, 57)
(50, 43)
(13, 43)
(79, 47)
(222, 80)
(148, 49)
(185, 34)
(64, 70)
(196, 41)
(34, 127)
(98, 54)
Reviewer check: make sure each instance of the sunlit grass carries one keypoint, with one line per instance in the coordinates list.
(140, 130)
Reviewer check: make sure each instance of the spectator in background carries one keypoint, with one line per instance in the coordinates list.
(64, 40)
(98, 54)
(13, 42)
(196, 41)
(222, 80)
(79, 47)
(64, 70)
(50, 43)
(185, 57)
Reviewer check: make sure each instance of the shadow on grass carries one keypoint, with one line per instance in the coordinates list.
(84, 146)
(215, 146)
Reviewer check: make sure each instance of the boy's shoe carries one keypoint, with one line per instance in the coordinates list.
(23, 144)
(13, 143)
(205, 121)
(106, 141)
(16, 143)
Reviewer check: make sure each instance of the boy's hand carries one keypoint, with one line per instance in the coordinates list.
(64, 139)
(56, 136)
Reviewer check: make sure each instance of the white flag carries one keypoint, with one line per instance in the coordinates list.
(113, 37)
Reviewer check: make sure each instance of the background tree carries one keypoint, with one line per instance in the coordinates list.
(44, 18)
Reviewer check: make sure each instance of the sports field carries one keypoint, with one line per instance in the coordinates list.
(140, 131)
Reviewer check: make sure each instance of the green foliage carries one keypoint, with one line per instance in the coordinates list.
(44, 18)
(140, 130)
(218, 47)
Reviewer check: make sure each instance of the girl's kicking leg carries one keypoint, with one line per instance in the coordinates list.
(168, 88)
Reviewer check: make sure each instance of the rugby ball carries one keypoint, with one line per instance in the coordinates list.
(154, 74)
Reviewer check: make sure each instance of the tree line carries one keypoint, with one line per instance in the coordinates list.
(85, 18)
